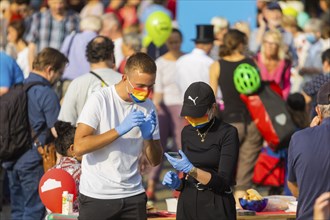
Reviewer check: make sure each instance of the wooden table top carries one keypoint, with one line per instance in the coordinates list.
(259, 215)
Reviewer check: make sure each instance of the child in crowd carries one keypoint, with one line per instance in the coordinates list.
(64, 146)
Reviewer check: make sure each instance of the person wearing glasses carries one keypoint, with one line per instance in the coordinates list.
(272, 63)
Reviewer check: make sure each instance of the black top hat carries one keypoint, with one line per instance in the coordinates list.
(204, 33)
(198, 98)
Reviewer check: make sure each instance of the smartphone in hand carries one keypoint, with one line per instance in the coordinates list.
(174, 154)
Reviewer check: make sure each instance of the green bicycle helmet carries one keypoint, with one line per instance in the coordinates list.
(246, 79)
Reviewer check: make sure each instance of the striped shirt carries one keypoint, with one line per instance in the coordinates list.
(46, 31)
(73, 167)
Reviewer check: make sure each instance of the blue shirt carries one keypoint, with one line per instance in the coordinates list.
(10, 73)
(74, 48)
(308, 165)
(43, 108)
(46, 31)
(314, 56)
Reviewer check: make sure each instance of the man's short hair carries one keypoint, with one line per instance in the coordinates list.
(141, 62)
(133, 40)
(219, 23)
(91, 23)
(99, 49)
(110, 20)
(49, 57)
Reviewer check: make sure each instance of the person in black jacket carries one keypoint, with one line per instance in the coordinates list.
(208, 159)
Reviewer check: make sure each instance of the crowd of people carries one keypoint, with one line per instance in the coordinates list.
(114, 107)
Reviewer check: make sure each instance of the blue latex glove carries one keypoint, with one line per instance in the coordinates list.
(182, 164)
(148, 126)
(133, 119)
(172, 180)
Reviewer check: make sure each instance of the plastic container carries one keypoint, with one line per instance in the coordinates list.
(172, 204)
(278, 202)
(292, 206)
(67, 203)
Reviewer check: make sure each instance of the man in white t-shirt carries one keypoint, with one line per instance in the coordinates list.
(194, 66)
(116, 125)
(100, 55)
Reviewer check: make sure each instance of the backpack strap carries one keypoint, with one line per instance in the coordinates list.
(99, 77)
(70, 43)
(27, 86)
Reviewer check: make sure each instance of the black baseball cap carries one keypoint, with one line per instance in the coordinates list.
(323, 95)
(198, 98)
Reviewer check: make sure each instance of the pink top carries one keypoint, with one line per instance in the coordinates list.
(281, 75)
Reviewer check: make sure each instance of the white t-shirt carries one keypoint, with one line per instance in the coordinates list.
(23, 61)
(192, 67)
(119, 56)
(112, 172)
(81, 88)
(166, 82)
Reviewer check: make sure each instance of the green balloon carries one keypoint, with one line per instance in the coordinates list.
(159, 27)
(146, 41)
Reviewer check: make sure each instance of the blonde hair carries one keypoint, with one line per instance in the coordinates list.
(277, 36)
(243, 27)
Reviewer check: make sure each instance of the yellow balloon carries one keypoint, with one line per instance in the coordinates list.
(159, 27)
(289, 11)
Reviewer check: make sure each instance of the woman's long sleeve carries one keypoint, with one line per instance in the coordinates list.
(224, 178)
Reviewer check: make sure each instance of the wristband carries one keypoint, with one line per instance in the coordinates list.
(193, 172)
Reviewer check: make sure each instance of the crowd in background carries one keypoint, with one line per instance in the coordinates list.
(289, 47)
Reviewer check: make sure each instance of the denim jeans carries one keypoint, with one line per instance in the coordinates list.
(25, 200)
